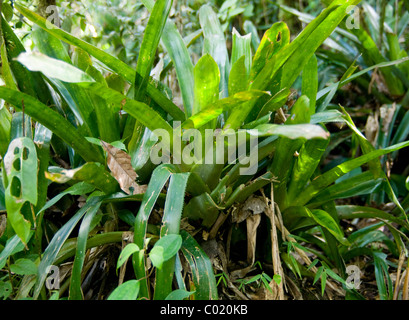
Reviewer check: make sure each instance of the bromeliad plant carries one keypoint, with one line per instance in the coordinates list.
(106, 129)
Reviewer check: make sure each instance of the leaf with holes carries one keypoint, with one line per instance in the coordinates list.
(20, 163)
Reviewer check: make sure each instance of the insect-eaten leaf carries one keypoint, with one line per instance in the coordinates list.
(20, 170)
(119, 162)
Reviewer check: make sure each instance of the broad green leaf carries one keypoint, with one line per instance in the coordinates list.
(23, 267)
(130, 249)
(214, 110)
(310, 83)
(20, 164)
(275, 103)
(206, 80)
(307, 161)
(201, 267)
(164, 249)
(92, 173)
(325, 220)
(241, 47)
(5, 128)
(145, 115)
(309, 40)
(372, 55)
(60, 70)
(274, 39)
(12, 246)
(149, 46)
(6, 70)
(238, 78)
(129, 290)
(249, 27)
(78, 100)
(179, 294)
(296, 131)
(215, 44)
(300, 112)
(202, 207)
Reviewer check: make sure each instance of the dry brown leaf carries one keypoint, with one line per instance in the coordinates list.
(119, 162)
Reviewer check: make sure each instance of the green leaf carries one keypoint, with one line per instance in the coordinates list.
(77, 189)
(179, 294)
(296, 131)
(351, 212)
(129, 290)
(238, 78)
(206, 80)
(307, 161)
(24, 267)
(325, 179)
(274, 39)
(310, 83)
(115, 64)
(325, 220)
(179, 55)
(75, 284)
(149, 46)
(158, 180)
(92, 173)
(129, 250)
(166, 247)
(214, 110)
(5, 128)
(275, 103)
(300, 112)
(363, 183)
(12, 246)
(215, 44)
(201, 267)
(20, 164)
(53, 121)
(58, 240)
(170, 226)
(62, 71)
(241, 47)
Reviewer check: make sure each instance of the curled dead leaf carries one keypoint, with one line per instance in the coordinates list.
(119, 162)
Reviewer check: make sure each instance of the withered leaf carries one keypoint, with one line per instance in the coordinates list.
(119, 162)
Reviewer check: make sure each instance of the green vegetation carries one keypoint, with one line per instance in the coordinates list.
(204, 151)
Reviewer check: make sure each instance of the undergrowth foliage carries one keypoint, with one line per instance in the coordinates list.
(218, 165)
